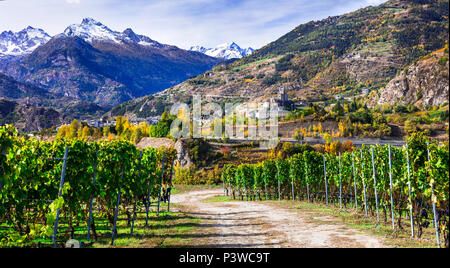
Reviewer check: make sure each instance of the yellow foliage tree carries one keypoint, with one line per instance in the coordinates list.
(62, 132)
(320, 128)
(120, 122)
(86, 132)
(74, 129)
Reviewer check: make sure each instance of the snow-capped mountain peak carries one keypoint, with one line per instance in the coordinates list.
(226, 51)
(231, 45)
(13, 44)
(91, 30)
(199, 49)
(91, 21)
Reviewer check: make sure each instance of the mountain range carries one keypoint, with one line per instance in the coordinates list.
(346, 55)
(93, 63)
(226, 51)
(397, 52)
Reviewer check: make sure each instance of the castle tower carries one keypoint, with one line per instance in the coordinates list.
(284, 99)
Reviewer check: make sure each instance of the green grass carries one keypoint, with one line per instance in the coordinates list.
(242, 67)
(180, 189)
(168, 230)
(381, 49)
(219, 199)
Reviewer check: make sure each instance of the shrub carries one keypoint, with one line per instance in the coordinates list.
(410, 127)
(287, 149)
(298, 136)
(200, 151)
(269, 81)
(334, 147)
(186, 176)
(284, 63)
(347, 146)
(401, 109)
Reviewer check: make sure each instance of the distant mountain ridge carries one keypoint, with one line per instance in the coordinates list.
(27, 94)
(13, 44)
(92, 31)
(226, 51)
(29, 118)
(24, 42)
(93, 63)
(13, 90)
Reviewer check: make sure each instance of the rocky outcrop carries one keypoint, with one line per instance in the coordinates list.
(38, 118)
(6, 107)
(183, 154)
(29, 118)
(21, 92)
(425, 83)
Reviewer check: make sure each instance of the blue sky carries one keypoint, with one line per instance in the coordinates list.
(183, 23)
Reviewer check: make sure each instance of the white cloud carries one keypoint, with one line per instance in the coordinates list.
(73, 1)
(375, 2)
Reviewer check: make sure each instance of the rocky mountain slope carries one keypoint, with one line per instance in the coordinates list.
(226, 51)
(92, 63)
(23, 93)
(28, 118)
(423, 84)
(343, 55)
(13, 90)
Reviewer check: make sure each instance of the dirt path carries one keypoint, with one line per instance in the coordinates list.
(261, 225)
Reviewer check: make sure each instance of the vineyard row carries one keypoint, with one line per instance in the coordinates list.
(74, 183)
(412, 180)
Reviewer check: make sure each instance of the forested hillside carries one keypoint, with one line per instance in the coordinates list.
(362, 50)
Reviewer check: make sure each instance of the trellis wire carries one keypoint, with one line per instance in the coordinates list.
(2, 181)
(340, 182)
(278, 173)
(392, 189)
(135, 196)
(375, 186)
(170, 187)
(293, 190)
(148, 203)
(436, 223)
(223, 185)
(364, 186)
(307, 189)
(88, 238)
(354, 179)
(326, 182)
(160, 186)
(265, 184)
(116, 213)
(61, 185)
(247, 190)
(410, 192)
(239, 190)
(307, 179)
